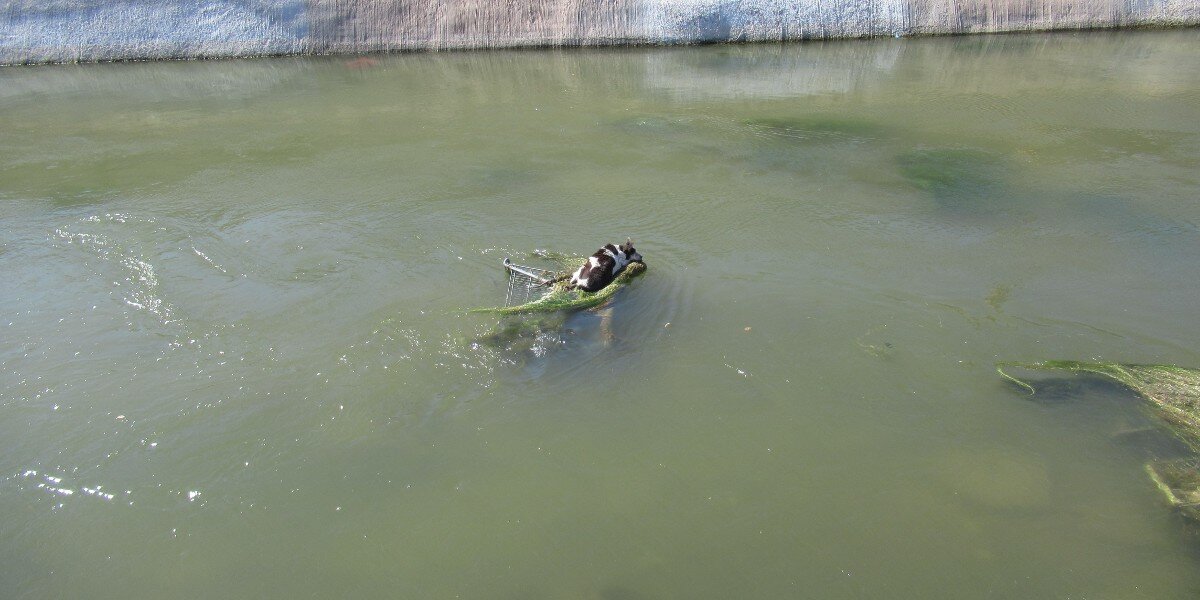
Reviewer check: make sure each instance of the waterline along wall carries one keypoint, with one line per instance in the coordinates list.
(35, 31)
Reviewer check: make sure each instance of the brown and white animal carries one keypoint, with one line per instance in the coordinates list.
(601, 268)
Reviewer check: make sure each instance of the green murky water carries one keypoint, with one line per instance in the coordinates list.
(235, 357)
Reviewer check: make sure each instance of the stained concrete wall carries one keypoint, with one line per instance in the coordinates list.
(34, 31)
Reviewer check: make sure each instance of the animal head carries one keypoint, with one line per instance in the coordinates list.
(630, 251)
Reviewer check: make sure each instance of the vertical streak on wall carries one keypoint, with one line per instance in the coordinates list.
(361, 25)
(68, 30)
(972, 16)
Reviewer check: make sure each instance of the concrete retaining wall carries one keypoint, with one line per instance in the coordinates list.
(36, 31)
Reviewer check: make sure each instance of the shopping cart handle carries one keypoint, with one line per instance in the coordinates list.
(508, 264)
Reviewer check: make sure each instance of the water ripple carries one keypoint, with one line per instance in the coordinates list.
(138, 281)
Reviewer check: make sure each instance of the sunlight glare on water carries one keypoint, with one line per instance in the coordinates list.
(237, 357)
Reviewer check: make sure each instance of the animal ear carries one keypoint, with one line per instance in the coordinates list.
(629, 242)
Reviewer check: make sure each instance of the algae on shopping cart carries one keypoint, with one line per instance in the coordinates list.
(561, 297)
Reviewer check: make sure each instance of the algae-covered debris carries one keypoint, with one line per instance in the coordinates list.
(561, 298)
(1174, 391)
(1175, 394)
(1179, 481)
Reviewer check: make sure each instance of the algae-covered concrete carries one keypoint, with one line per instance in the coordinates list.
(34, 31)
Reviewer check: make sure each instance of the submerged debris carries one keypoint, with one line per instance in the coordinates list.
(1174, 392)
(1180, 482)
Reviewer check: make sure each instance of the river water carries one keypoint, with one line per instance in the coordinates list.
(236, 357)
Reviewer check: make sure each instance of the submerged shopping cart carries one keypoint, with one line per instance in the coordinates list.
(534, 290)
(527, 284)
